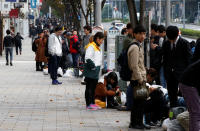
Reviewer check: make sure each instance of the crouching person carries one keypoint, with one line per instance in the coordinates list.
(106, 90)
(93, 62)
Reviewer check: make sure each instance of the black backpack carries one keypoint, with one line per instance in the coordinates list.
(34, 47)
(124, 71)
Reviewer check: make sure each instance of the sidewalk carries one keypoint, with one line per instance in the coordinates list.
(28, 101)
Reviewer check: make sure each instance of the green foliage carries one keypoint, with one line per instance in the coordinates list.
(190, 32)
(125, 21)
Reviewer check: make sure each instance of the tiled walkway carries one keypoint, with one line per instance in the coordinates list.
(28, 101)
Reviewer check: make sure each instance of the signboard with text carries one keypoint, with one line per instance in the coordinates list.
(33, 3)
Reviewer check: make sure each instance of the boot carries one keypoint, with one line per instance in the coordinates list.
(37, 66)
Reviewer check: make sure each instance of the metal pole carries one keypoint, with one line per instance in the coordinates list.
(83, 3)
(98, 13)
(160, 12)
(184, 14)
(168, 17)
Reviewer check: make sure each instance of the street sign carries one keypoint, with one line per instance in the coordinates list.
(14, 13)
(33, 3)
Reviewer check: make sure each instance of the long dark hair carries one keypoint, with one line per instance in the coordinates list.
(99, 35)
(113, 76)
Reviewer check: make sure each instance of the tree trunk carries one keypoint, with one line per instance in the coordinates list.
(142, 8)
(103, 3)
(132, 12)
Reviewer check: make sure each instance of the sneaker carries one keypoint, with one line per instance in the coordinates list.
(59, 83)
(91, 108)
(95, 106)
(54, 82)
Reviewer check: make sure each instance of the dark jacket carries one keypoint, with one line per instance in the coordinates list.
(196, 55)
(175, 62)
(18, 40)
(191, 75)
(8, 41)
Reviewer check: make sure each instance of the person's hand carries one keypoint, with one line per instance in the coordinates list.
(153, 46)
(140, 82)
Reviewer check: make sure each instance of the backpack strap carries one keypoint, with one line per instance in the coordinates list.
(134, 43)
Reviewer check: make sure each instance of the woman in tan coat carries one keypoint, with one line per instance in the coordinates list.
(40, 57)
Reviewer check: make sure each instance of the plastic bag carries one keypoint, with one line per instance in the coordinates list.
(172, 125)
(69, 73)
(45, 71)
(123, 98)
(60, 72)
(183, 119)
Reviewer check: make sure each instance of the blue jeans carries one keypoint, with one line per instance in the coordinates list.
(9, 51)
(129, 97)
(162, 78)
(75, 57)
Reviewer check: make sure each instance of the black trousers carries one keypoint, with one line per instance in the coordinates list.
(18, 47)
(38, 66)
(172, 87)
(54, 64)
(90, 90)
(137, 110)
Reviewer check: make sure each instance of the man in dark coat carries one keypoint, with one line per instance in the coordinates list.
(18, 43)
(8, 44)
(177, 56)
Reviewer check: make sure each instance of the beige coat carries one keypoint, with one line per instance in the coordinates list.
(136, 63)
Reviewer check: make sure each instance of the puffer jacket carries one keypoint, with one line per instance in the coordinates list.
(93, 61)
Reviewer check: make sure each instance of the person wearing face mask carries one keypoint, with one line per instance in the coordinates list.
(107, 89)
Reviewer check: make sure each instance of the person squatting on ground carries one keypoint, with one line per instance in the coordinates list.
(93, 62)
(8, 44)
(136, 65)
(55, 52)
(18, 43)
(106, 90)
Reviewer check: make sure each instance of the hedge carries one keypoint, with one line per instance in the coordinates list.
(190, 32)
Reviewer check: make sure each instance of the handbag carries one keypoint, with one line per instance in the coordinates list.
(140, 91)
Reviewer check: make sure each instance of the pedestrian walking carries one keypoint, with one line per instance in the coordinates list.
(18, 43)
(8, 44)
(190, 88)
(55, 53)
(93, 61)
(177, 56)
(136, 65)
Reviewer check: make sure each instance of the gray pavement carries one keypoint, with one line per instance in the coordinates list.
(28, 101)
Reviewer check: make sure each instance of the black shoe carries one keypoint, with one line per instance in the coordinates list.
(11, 64)
(136, 126)
(83, 83)
(7, 63)
(146, 126)
(141, 126)
(122, 108)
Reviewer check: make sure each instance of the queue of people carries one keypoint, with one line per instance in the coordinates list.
(170, 55)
